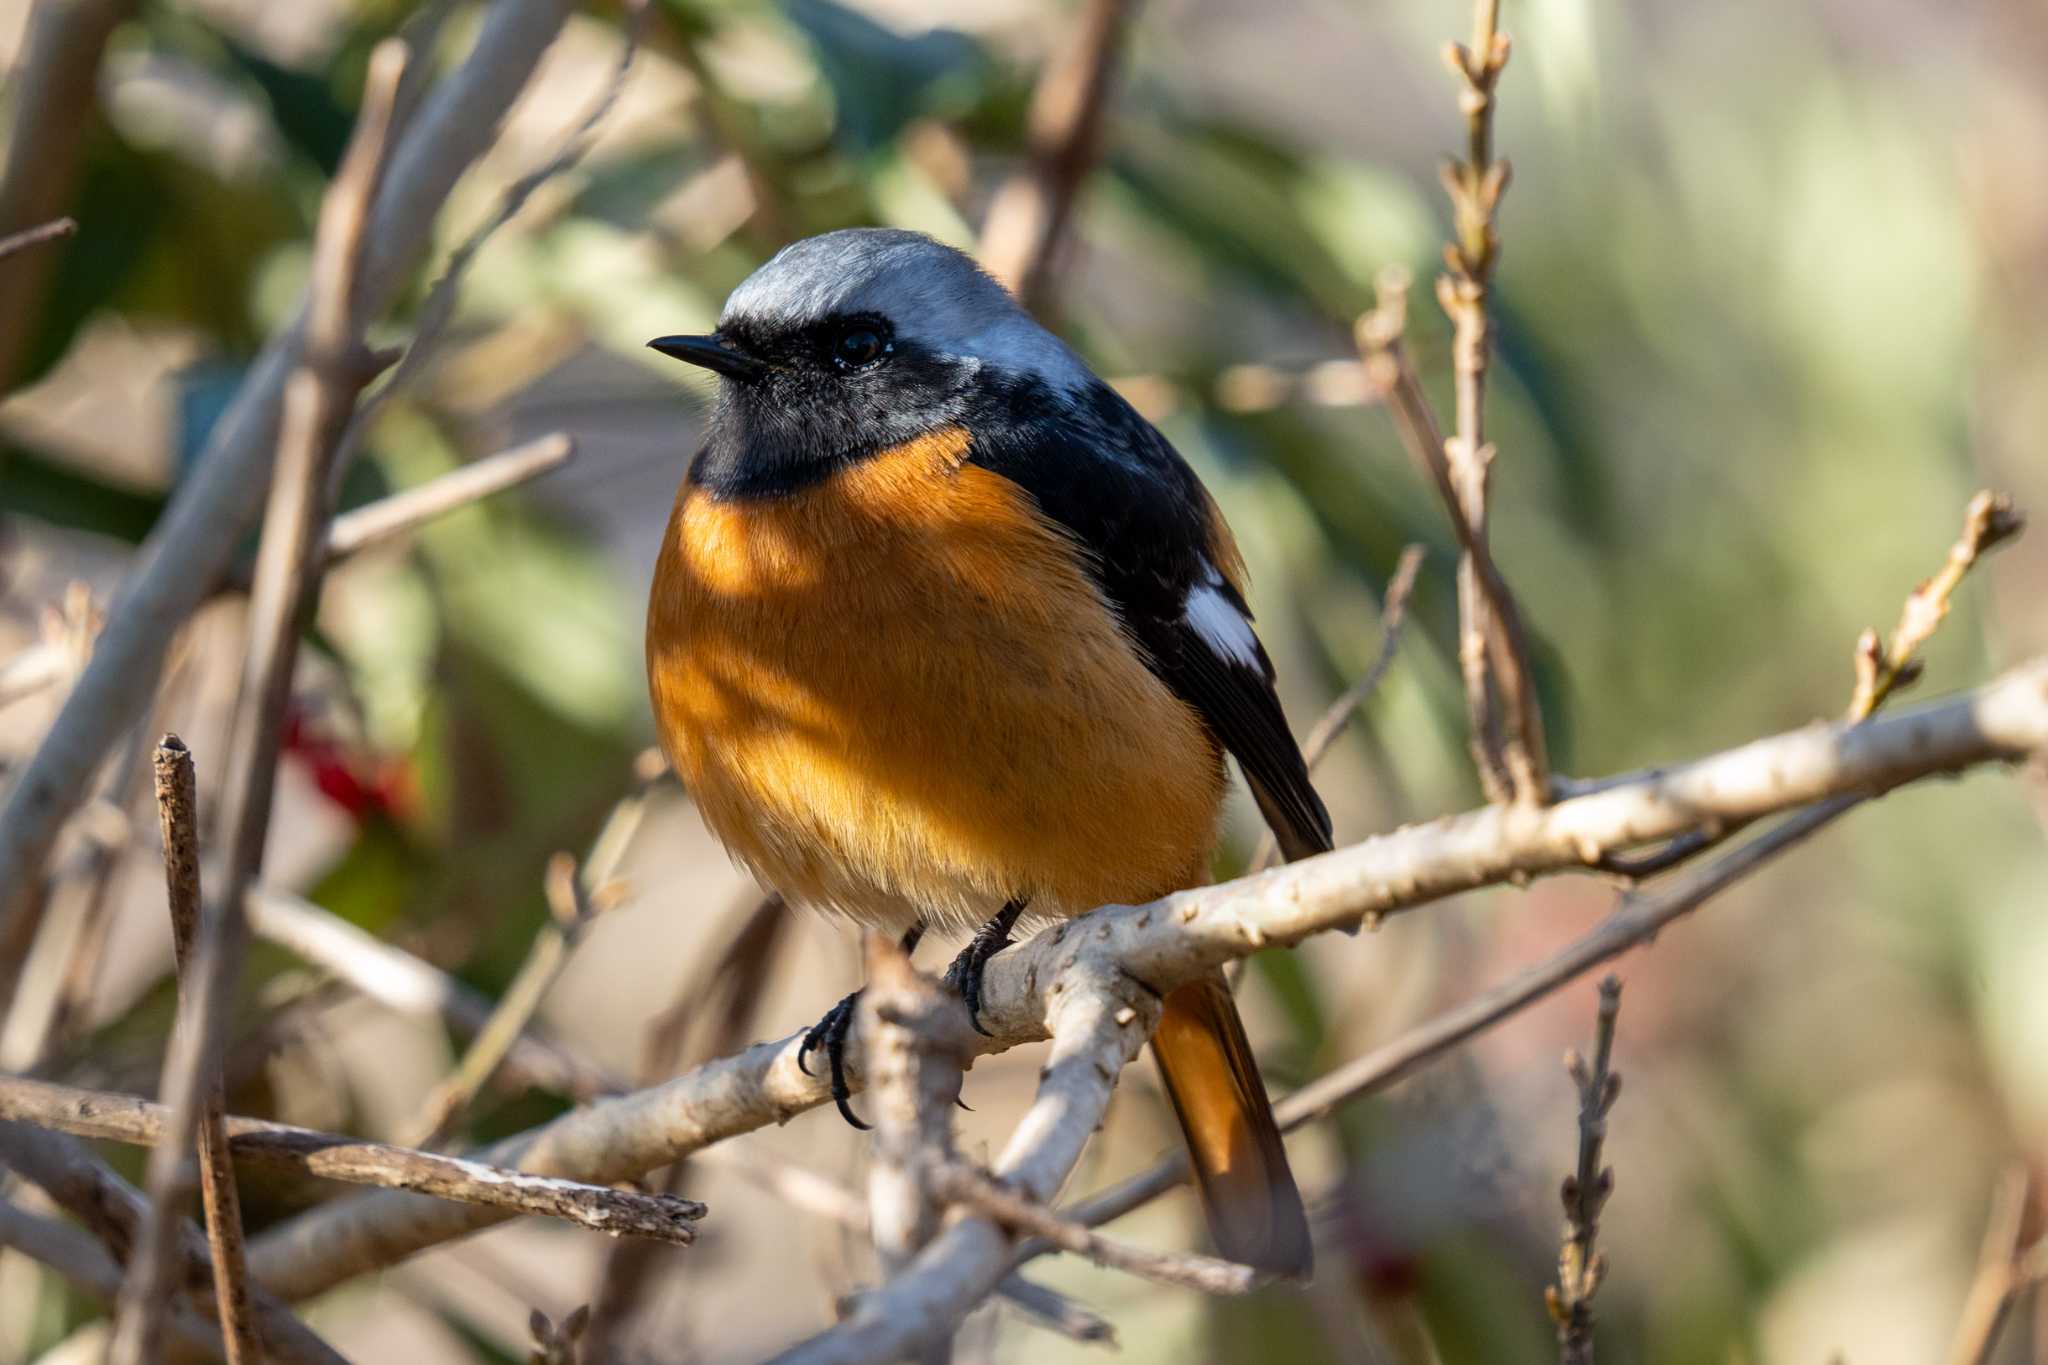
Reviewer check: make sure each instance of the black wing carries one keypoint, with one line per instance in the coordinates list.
(1160, 554)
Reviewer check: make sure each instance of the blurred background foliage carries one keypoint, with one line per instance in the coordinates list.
(1769, 312)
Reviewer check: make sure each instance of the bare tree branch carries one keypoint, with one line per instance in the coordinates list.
(329, 1156)
(411, 508)
(1581, 1267)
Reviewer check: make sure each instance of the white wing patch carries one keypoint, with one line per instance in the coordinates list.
(1222, 626)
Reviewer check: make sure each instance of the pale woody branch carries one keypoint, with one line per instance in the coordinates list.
(1174, 939)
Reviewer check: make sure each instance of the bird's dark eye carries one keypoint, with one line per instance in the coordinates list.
(859, 345)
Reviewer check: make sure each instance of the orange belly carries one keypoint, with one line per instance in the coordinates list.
(897, 693)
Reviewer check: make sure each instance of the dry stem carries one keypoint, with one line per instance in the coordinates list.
(1580, 1267)
(575, 898)
(330, 1156)
(1341, 712)
(146, 1301)
(1492, 645)
(1027, 220)
(2006, 1268)
(1989, 522)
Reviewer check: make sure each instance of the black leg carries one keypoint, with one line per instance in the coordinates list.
(830, 1034)
(964, 975)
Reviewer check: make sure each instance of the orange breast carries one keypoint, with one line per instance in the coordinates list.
(897, 693)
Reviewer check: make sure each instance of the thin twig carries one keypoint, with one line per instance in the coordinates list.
(2006, 1268)
(1027, 219)
(330, 1156)
(399, 981)
(1580, 1266)
(575, 898)
(962, 1184)
(287, 570)
(114, 1210)
(438, 308)
(1492, 645)
(1341, 712)
(1989, 522)
(146, 1302)
(1475, 186)
(36, 236)
(1169, 941)
(411, 508)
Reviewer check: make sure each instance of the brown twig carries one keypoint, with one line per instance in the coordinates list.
(317, 402)
(54, 103)
(1989, 522)
(1027, 220)
(1341, 712)
(962, 1184)
(114, 1210)
(36, 236)
(329, 1156)
(145, 1303)
(575, 899)
(1492, 645)
(1580, 1266)
(2006, 1268)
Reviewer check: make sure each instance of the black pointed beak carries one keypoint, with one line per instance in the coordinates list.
(712, 354)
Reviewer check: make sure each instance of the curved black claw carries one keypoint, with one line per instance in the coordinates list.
(830, 1034)
(964, 975)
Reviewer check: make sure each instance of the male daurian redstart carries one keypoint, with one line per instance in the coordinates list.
(943, 633)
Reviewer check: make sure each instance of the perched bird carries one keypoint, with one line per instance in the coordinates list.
(944, 633)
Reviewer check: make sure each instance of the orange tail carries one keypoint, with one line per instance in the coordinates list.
(1255, 1212)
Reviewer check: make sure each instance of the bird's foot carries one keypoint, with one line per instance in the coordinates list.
(964, 975)
(829, 1034)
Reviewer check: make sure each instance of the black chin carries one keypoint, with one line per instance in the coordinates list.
(711, 353)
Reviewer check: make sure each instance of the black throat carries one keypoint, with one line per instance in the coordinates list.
(797, 427)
